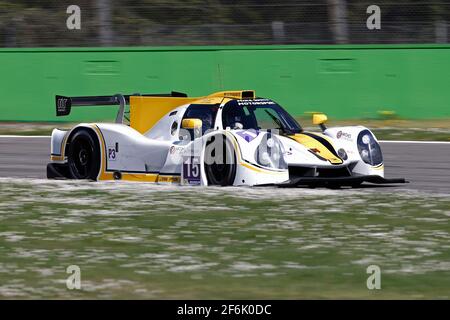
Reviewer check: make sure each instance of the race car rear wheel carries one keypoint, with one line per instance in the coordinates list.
(83, 155)
(223, 171)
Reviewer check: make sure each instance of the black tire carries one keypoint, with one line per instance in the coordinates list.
(83, 155)
(221, 174)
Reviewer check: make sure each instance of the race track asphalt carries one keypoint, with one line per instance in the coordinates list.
(425, 165)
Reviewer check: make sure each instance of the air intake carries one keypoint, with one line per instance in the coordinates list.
(236, 94)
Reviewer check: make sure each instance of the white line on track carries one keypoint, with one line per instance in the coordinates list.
(382, 141)
(415, 142)
(17, 136)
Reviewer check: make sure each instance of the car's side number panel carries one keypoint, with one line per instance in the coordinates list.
(191, 170)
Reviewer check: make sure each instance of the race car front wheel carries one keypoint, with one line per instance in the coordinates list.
(83, 155)
(220, 164)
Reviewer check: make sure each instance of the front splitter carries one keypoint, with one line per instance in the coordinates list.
(333, 182)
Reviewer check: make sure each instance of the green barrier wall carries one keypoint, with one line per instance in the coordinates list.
(343, 81)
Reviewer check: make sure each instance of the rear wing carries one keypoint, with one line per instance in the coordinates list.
(64, 104)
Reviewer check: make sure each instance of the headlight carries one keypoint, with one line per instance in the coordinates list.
(365, 139)
(365, 155)
(369, 149)
(270, 153)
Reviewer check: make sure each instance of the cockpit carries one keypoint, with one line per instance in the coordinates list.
(258, 114)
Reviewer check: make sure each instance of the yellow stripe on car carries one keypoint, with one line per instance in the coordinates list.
(316, 147)
(169, 179)
(260, 170)
(56, 158)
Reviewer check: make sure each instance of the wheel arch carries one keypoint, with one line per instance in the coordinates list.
(91, 129)
(77, 129)
(234, 144)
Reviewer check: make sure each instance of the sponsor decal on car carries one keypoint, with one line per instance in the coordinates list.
(254, 102)
(176, 149)
(170, 179)
(343, 135)
(248, 135)
(112, 153)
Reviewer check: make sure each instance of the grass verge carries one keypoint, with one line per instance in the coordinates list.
(423, 130)
(149, 241)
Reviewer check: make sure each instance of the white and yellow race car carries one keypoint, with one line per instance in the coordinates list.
(228, 138)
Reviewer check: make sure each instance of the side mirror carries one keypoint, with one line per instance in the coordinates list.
(191, 123)
(320, 119)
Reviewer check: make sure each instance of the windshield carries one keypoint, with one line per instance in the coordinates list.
(205, 112)
(258, 114)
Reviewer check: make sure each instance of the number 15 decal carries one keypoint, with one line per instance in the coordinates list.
(191, 170)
